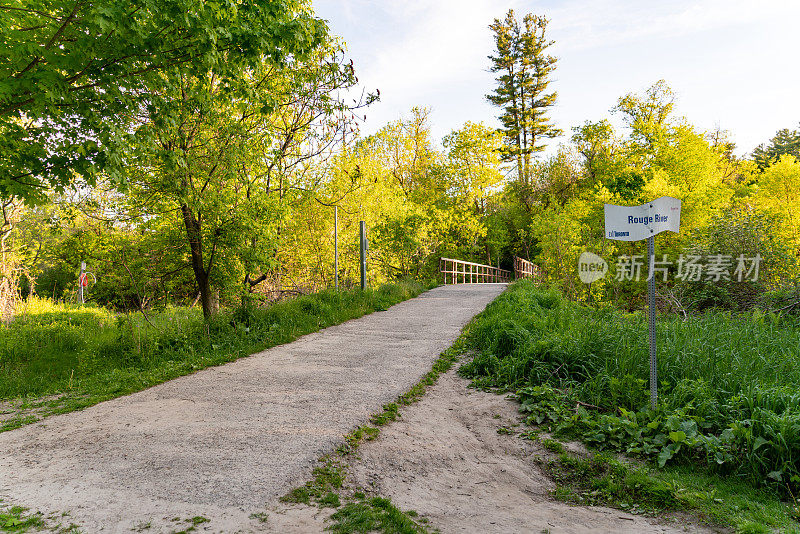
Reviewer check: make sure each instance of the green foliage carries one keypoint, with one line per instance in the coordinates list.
(740, 231)
(656, 154)
(779, 196)
(553, 446)
(727, 400)
(417, 202)
(16, 519)
(524, 69)
(326, 480)
(600, 480)
(73, 73)
(784, 142)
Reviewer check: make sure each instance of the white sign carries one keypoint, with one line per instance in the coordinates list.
(591, 267)
(634, 223)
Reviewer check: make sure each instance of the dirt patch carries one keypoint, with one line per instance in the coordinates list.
(446, 460)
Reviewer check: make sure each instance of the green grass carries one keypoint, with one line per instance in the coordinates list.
(729, 501)
(373, 515)
(58, 358)
(326, 479)
(17, 519)
(600, 480)
(729, 404)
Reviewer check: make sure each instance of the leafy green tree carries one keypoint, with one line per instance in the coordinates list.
(73, 73)
(405, 150)
(779, 195)
(473, 164)
(785, 142)
(524, 69)
(218, 159)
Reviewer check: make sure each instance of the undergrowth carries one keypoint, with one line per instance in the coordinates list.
(601, 480)
(58, 358)
(728, 397)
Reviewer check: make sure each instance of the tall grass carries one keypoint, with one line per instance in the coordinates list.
(529, 336)
(90, 354)
(729, 384)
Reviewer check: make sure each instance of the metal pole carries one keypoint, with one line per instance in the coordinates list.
(80, 282)
(363, 248)
(336, 247)
(651, 289)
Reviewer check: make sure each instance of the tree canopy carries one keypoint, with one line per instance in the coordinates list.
(75, 72)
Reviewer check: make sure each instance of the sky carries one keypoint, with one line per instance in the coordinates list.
(731, 63)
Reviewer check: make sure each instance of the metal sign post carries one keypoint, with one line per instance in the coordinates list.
(363, 249)
(336, 247)
(651, 298)
(635, 223)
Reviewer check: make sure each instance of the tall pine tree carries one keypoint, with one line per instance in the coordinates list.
(523, 68)
(784, 142)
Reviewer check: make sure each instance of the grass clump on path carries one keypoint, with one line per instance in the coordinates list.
(375, 514)
(16, 519)
(729, 404)
(58, 358)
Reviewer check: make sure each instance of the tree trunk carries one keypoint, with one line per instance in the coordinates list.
(195, 238)
(206, 299)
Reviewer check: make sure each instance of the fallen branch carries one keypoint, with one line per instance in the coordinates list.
(578, 404)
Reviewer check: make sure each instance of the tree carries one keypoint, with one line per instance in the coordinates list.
(216, 157)
(524, 70)
(73, 72)
(785, 142)
(473, 164)
(474, 177)
(779, 195)
(405, 149)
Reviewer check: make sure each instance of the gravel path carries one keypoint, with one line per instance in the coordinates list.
(226, 442)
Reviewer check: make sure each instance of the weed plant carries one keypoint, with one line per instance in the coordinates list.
(729, 383)
(77, 356)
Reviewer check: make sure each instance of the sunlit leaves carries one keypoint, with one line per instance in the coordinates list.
(74, 72)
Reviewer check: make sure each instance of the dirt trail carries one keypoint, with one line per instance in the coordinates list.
(225, 442)
(445, 459)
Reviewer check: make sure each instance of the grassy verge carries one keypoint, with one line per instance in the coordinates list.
(55, 359)
(357, 512)
(602, 479)
(728, 413)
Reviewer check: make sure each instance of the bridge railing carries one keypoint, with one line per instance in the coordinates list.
(526, 269)
(466, 272)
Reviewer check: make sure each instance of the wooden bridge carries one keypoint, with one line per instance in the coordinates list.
(466, 272)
